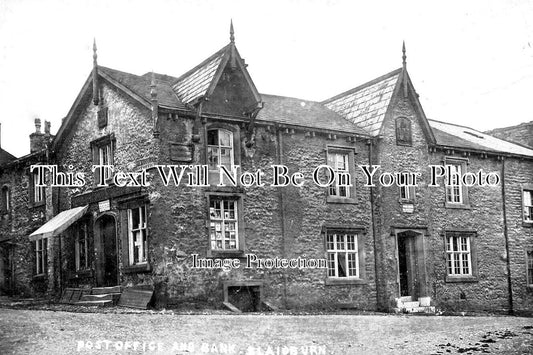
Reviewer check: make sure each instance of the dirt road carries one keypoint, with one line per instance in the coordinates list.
(47, 332)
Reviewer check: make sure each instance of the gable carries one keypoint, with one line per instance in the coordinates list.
(366, 104)
(221, 80)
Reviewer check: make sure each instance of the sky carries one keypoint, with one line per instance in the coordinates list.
(471, 62)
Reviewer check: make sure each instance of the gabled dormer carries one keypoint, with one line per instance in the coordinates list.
(221, 84)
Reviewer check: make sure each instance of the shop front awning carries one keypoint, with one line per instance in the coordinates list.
(59, 223)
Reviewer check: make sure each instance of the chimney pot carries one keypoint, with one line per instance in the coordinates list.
(37, 125)
(47, 127)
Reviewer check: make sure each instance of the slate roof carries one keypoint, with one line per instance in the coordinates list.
(5, 157)
(366, 105)
(140, 85)
(298, 112)
(196, 81)
(451, 135)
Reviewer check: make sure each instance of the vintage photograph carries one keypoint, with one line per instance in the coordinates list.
(266, 177)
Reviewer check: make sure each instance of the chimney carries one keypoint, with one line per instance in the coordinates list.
(47, 127)
(37, 140)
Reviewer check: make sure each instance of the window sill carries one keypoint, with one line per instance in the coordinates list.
(341, 200)
(527, 224)
(459, 206)
(225, 254)
(332, 281)
(469, 278)
(137, 268)
(37, 204)
(40, 277)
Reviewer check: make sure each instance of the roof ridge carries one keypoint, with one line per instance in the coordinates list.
(294, 98)
(458, 125)
(362, 86)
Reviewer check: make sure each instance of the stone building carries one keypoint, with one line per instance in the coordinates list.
(451, 246)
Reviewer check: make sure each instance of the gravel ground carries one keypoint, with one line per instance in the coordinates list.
(25, 331)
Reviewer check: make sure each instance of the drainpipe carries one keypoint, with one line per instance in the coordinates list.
(282, 214)
(506, 235)
(373, 221)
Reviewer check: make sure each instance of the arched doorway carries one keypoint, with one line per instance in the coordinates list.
(106, 251)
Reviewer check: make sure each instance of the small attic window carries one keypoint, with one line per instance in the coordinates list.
(403, 131)
(102, 117)
(475, 135)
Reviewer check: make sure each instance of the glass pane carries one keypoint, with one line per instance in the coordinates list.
(225, 138)
(341, 264)
(135, 218)
(340, 242)
(212, 137)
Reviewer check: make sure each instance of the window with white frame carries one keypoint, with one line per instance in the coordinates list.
(407, 192)
(137, 235)
(223, 224)
(82, 248)
(528, 205)
(340, 163)
(458, 254)
(342, 255)
(41, 256)
(529, 264)
(454, 190)
(38, 191)
(6, 199)
(220, 148)
(103, 155)
(105, 158)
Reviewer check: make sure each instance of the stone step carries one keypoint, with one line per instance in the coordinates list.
(406, 299)
(410, 304)
(114, 297)
(425, 310)
(100, 303)
(105, 290)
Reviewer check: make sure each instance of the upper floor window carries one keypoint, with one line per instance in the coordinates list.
(341, 161)
(103, 155)
(220, 148)
(5, 199)
(37, 191)
(137, 235)
(407, 189)
(527, 201)
(456, 191)
(41, 256)
(403, 131)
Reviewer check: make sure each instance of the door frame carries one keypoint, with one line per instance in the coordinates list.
(418, 259)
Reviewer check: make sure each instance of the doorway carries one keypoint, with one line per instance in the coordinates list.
(107, 264)
(411, 264)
